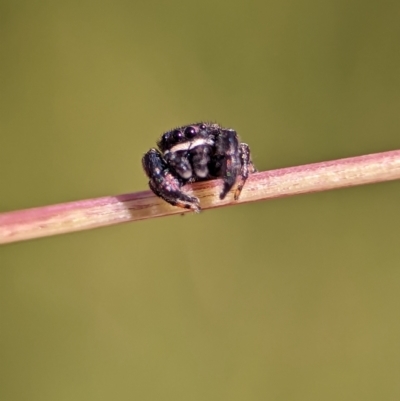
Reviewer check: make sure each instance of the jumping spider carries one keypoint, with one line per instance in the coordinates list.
(196, 152)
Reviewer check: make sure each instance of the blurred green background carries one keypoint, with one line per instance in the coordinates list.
(291, 299)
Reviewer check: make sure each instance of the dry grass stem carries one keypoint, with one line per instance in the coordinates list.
(82, 215)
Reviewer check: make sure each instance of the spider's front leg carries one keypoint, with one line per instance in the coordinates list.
(227, 150)
(164, 184)
(247, 167)
(235, 161)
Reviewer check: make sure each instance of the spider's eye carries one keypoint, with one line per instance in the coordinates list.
(177, 135)
(190, 132)
(202, 126)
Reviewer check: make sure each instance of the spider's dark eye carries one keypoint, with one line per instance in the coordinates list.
(202, 126)
(190, 132)
(177, 135)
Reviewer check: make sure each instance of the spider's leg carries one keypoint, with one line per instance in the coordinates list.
(227, 150)
(247, 167)
(165, 184)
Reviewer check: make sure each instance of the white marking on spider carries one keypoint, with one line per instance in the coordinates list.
(189, 145)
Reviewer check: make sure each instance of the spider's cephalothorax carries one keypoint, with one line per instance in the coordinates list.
(196, 152)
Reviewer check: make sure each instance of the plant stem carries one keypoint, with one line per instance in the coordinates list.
(85, 214)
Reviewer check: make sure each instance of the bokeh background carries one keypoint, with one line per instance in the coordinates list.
(290, 299)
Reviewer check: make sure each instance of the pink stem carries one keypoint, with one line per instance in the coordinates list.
(82, 215)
